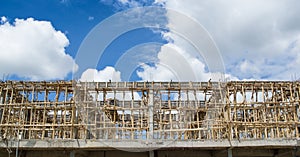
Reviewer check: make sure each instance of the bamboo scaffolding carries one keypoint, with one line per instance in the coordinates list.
(149, 110)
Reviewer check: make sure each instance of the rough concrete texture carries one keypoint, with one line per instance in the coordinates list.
(100, 144)
(245, 152)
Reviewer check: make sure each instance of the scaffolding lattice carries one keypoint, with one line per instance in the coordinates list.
(149, 110)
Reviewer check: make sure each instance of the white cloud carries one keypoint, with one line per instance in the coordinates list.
(120, 5)
(249, 68)
(175, 64)
(159, 1)
(34, 50)
(178, 60)
(255, 37)
(3, 19)
(105, 75)
(130, 3)
(157, 73)
(108, 73)
(124, 1)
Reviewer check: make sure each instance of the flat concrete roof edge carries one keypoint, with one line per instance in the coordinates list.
(101, 144)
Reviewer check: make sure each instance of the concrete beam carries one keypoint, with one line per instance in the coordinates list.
(144, 145)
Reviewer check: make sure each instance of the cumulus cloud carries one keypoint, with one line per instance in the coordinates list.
(33, 50)
(179, 60)
(175, 64)
(108, 73)
(257, 39)
(105, 75)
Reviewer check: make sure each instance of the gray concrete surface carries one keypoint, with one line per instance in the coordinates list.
(245, 152)
(100, 144)
(98, 148)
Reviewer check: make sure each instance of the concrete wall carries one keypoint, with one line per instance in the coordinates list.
(157, 153)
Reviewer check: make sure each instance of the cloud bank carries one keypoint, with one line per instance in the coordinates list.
(34, 50)
(257, 39)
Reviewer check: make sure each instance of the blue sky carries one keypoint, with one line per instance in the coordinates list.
(255, 40)
(75, 18)
(70, 17)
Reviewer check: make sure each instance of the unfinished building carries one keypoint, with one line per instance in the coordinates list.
(99, 118)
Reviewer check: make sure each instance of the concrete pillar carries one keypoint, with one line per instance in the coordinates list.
(151, 105)
(151, 153)
(72, 153)
(229, 152)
